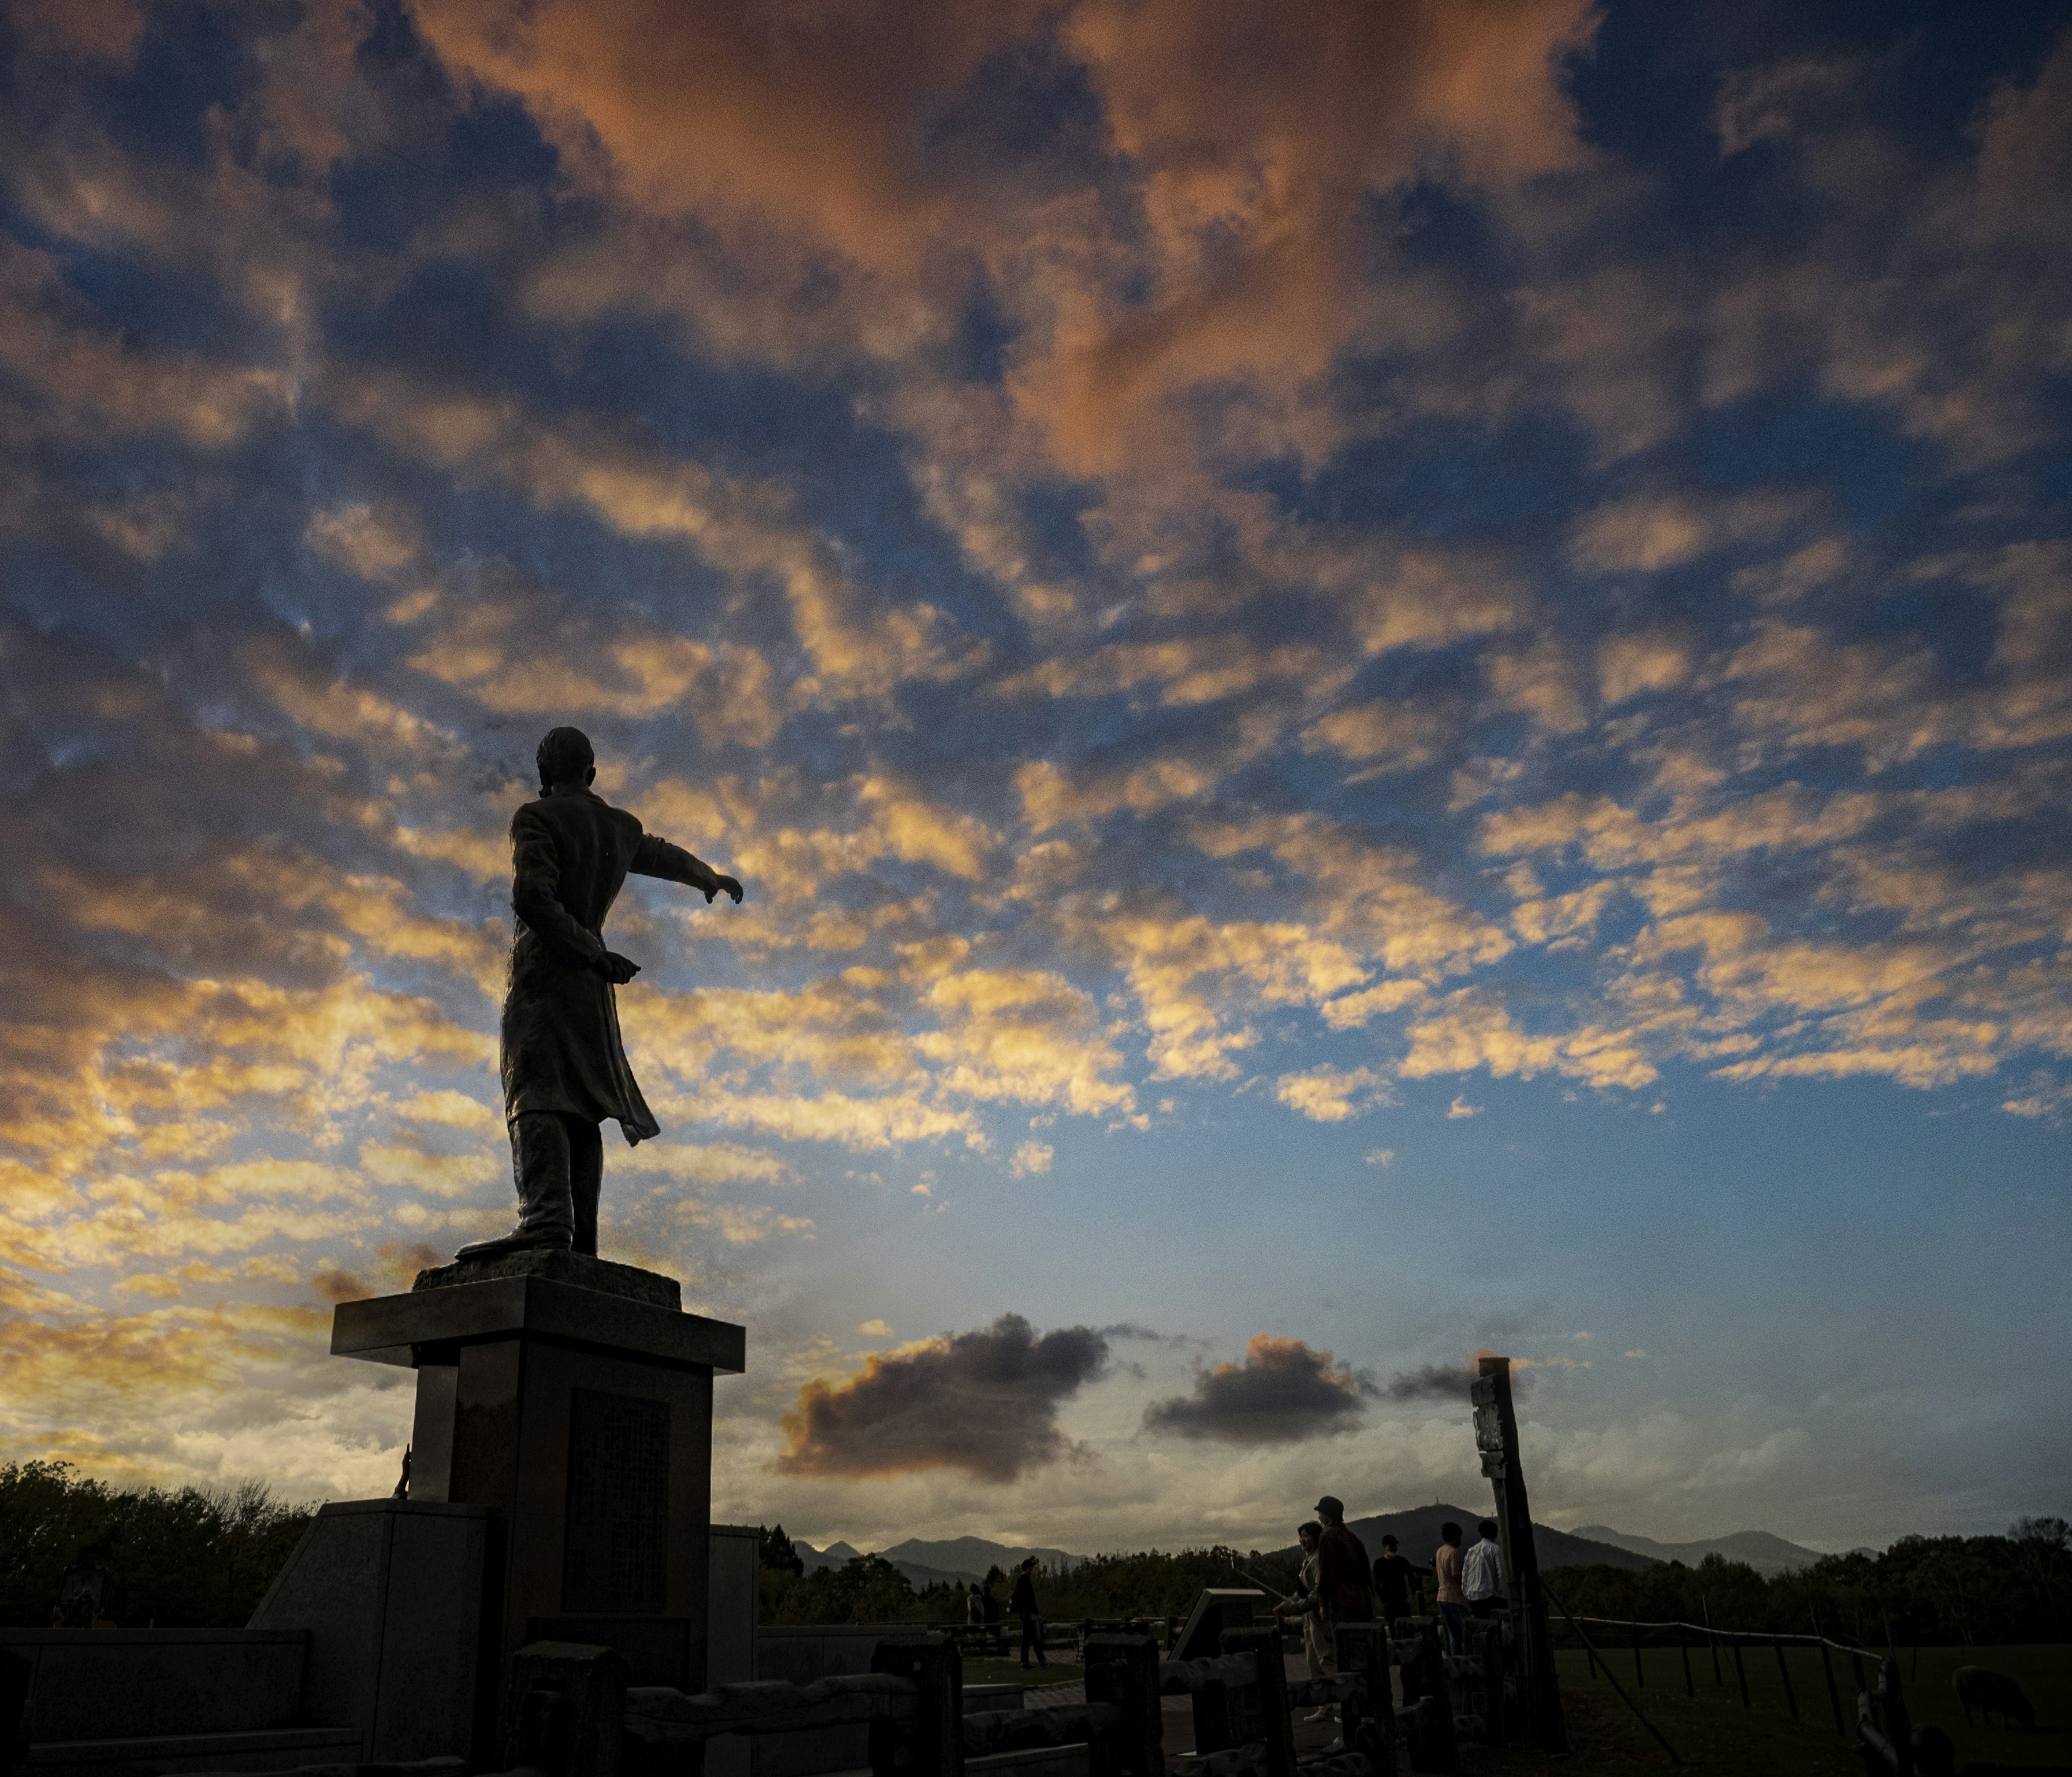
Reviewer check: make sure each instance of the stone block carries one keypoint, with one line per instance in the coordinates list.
(389, 1593)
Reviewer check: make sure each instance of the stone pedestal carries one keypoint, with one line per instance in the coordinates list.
(572, 1397)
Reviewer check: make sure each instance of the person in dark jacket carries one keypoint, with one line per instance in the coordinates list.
(1022, 1603)
(1397, 1585)
(563, 1062)
(989, 1603)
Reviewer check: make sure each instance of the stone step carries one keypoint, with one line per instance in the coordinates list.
(156, 1755)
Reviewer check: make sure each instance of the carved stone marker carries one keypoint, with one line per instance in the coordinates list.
(572, 1397)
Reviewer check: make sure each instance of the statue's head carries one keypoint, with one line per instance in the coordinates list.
(565, 757)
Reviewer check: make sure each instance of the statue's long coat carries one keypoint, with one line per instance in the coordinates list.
(560, 1049)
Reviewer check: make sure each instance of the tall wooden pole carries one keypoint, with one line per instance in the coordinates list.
(1496, 1438)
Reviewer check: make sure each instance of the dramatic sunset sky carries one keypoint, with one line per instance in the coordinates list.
(1389, 677)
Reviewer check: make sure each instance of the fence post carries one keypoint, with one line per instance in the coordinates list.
(1639, 1680)
(933, 1663)
(1433, 1744)
(1275, 1730)
(1741, 1671)
(1496, 1438)
(1123, 1670)
(1683, 1647)
(1898, 1729)
(1784, 1673)
(568, 1708)
(1711, 1640)
(1367, 1719)
(1834, 1696)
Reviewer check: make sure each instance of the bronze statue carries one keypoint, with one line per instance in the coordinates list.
(564, 1065)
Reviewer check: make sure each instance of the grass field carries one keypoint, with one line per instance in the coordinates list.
(1713, 1731)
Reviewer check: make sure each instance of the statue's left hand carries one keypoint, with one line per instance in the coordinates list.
(616, 969)
(728, 883)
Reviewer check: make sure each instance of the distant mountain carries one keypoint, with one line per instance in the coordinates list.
(959, 1561)
(1416, 1533)
(833, 1556)
(1768, 1555)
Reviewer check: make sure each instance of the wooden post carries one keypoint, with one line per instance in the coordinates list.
(1368, 1718)
(1834, 1695)
(1741, 1671)
(1496, 1438)
(1639, 1678)
(1123, 1670)
(1711, 1640)
(1784, 1673)
(1898, 1729)
(1433, 1744)
(1277, 1732)
(933, 1663)
(1683, 1647)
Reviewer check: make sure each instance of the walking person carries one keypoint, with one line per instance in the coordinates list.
(1022, 1603)
(1396, 1586)
(1453, 1601)
(989, 1606)
(1482, 1574)
(1323, 1661)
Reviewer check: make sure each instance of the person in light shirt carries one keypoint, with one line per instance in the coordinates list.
(1453, 1601)
(1482, 1574)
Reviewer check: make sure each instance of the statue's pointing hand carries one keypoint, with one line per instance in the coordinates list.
(616, 969)
(728, 883)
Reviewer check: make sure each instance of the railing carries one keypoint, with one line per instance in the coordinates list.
(1885, 1735)
(574, 1715)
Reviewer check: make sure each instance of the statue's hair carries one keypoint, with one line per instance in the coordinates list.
(564, 754)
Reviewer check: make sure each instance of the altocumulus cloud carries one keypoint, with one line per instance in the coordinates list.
(1281, 1394)
(984, 1402)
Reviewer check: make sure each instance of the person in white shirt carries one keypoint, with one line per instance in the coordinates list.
(1482, 1574)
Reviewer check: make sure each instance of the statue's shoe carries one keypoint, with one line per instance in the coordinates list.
(515, 1243)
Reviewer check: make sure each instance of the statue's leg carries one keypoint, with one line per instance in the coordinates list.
(540, 1154)
(585, 1179)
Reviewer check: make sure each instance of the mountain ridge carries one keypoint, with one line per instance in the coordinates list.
(1417, 1532)
(1768, 1555)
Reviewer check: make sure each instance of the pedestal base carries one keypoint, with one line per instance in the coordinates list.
(573, 1399)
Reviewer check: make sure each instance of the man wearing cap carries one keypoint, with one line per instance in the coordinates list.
(1343, 1586)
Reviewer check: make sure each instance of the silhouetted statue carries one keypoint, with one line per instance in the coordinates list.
(564, 1065)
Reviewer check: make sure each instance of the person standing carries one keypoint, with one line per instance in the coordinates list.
(975, 1614)
(1453, 1601)
(1345, 1584)
(990, 1604)
(1022, 1603)
(1482, 1574)
(1396, 1585)
(1306, 1604)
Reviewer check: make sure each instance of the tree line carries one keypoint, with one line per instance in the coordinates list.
(188, 1557)
(1934, 1591)
(203, 1557)
(1937, 1590)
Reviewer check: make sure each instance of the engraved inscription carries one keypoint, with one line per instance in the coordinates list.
(618, 1542)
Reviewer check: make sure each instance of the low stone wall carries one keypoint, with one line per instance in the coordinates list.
(134, 1684)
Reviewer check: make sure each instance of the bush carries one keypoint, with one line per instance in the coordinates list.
(196, 1558)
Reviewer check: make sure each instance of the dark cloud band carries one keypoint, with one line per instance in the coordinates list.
(984, 1402)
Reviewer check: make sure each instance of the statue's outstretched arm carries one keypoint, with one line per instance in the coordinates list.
(654, 856)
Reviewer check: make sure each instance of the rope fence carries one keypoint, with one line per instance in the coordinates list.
(1713, 1640)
